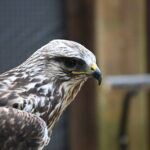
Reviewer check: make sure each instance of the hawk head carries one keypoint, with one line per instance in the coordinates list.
(66, 61)
(49, 80)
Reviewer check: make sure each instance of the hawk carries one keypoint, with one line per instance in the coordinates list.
(34, 95)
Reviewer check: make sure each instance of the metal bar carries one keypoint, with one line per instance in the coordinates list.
(128, 82)
(123, 137)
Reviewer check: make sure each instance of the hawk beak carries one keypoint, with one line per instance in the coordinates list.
(96, 73)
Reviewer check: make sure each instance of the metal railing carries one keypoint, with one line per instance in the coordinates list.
(133, 85)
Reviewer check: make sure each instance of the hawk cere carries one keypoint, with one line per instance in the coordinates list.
(34, 95)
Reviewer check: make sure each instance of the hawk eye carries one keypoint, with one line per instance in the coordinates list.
(70, 63)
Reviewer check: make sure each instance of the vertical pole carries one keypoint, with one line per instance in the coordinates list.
(83, 116)
(148, 56)
(120, 43)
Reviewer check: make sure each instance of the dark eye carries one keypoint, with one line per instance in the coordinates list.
(70, 63)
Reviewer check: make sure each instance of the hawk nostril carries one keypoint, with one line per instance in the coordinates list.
(93, 67)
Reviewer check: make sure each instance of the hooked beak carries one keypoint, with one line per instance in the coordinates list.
(94, 72)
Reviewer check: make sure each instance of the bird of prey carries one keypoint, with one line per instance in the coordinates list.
(34, 95)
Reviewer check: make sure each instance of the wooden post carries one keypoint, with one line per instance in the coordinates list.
(120, 42)
(148, 56)
(83, 113)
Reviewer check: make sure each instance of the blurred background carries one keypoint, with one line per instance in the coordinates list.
(118, 32)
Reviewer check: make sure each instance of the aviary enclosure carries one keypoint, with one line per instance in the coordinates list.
(118, 32)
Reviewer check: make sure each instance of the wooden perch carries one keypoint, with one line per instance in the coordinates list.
(128, 81)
